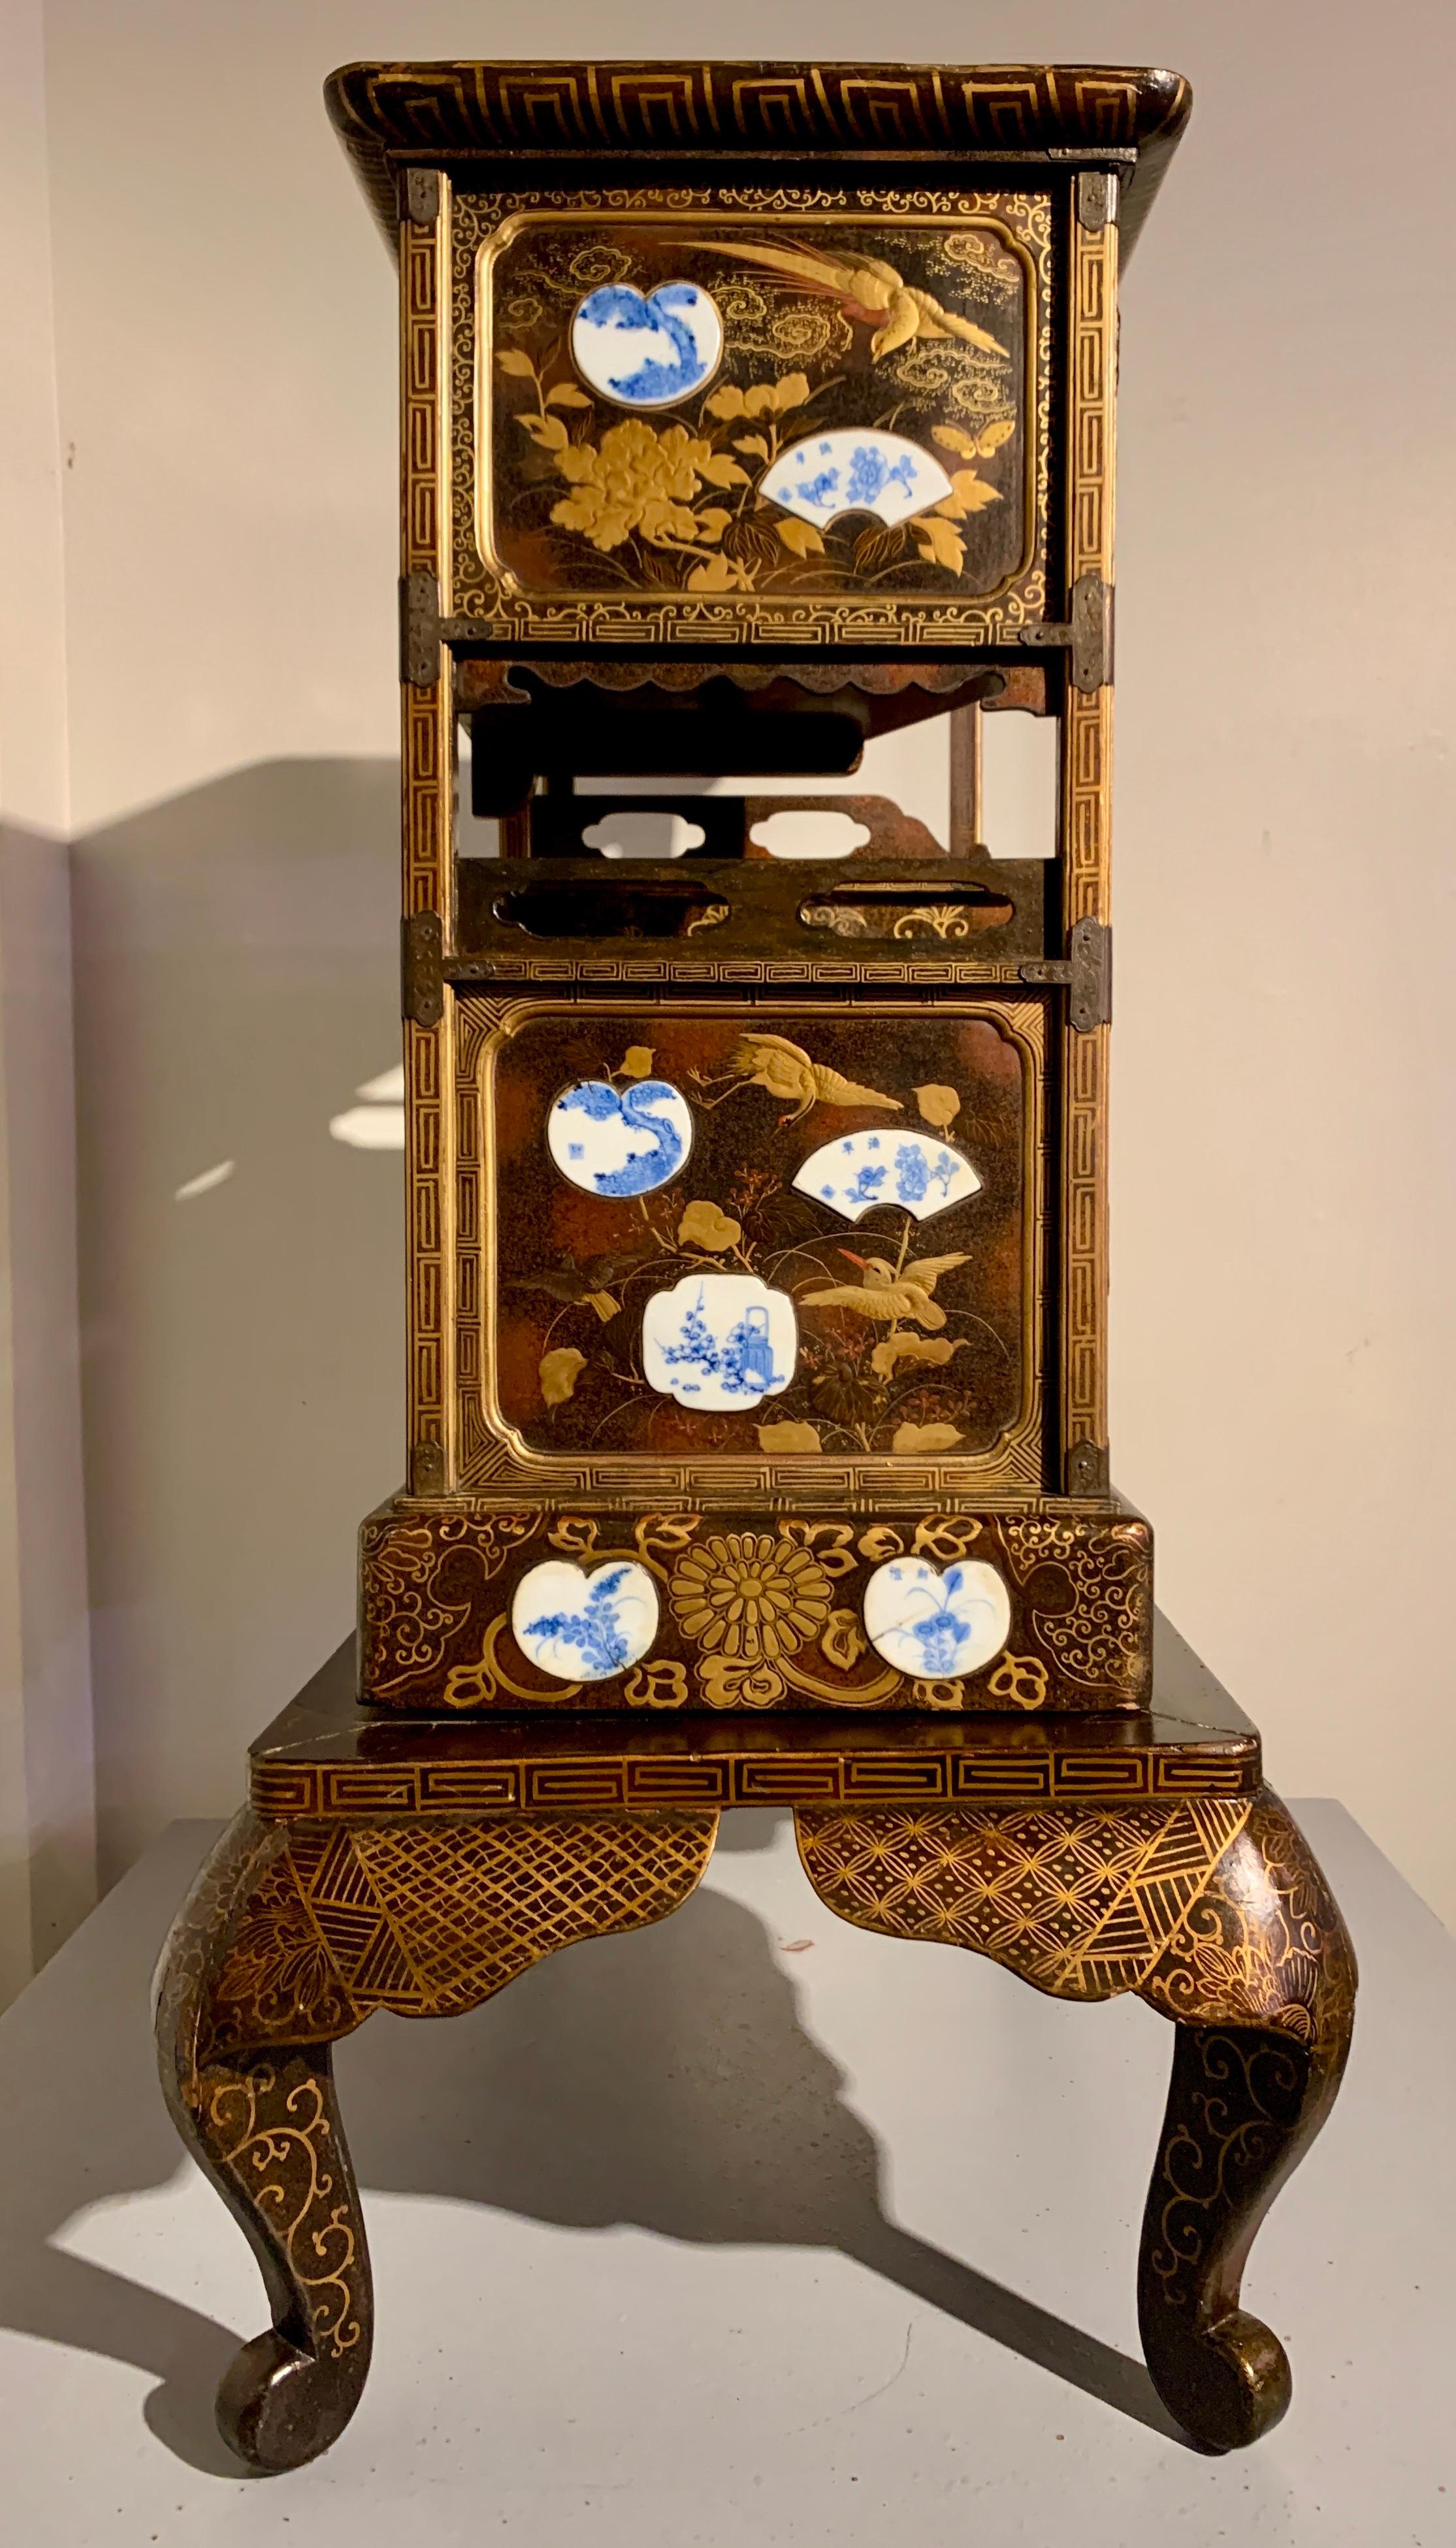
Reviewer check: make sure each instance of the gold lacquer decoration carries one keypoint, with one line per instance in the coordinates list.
(868, 457)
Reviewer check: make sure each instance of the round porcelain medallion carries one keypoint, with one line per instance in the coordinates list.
(644, 351)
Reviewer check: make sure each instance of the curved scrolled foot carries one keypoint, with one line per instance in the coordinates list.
(264, 2127)
(1260, 1979)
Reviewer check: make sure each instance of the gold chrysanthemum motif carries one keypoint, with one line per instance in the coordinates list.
(750, 1598)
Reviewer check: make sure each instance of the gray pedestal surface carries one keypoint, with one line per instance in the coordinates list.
(751, 2227)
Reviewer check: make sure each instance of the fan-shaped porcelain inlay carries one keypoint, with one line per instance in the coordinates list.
(937, 1626)
(647, 352)
(619, 1140)
(855, 471)
(720, 1341)
(864, 1169)
(584, 1627)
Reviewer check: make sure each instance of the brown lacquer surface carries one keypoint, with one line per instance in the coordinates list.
(912, 1334)
(932, 329)
(757, 1611)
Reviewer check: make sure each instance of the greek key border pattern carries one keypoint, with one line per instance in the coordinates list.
(290, 1790)
(1086, 836)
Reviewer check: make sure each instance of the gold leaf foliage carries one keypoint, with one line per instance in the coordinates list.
(557, 1372)
(842, 1641)
(938, 1106)
(636, 1062)
(516, 366)
(658, 1684)
(945, 1536)
(605, 1305)
(938, 543)
(565, 393)
(969, 495)
(924, 1437)
(704, 1226)
(880, 1542)
(799, 538)
(1021, 1679)
(788, 1437)
(902, 1348)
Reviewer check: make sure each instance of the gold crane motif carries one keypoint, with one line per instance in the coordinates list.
(871, 293)
(785, 1071)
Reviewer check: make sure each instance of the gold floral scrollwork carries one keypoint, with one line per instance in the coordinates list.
(937, 1693)
(485, 1682)
(1021, 1679)
(945, 1536)
(832, 1543)
(664, 1537)
(575, 1533)
(725, 1683)
(272, 2132)
(879, 1543)
(658, 1684)
(844, 1640)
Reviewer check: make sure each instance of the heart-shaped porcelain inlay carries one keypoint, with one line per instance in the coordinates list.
(860, 1170)
(855, 470)
(647, 351)
(619, 1140)
(578, 1626)
(720, 1341)
(937, 1626)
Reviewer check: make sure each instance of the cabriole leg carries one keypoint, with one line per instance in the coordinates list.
(264, 2126)
(1261, 1982)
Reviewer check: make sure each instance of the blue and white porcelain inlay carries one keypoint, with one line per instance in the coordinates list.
(850, 470)
(619, 1140)
(584, 1627)
(647, 352)
(719, 1341)
(937, 1626)
(853, 1174)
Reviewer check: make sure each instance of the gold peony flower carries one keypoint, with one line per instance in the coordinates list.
(637, 480)
(748, 1597)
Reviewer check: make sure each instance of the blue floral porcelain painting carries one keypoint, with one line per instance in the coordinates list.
(850, 470)
(651, 352)
(719, 1341)
(584, 1627)
(863, 1169)
(935, 1626)
(619, 1140)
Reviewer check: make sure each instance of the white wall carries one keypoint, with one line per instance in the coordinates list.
(1282, 1193)
(46, 1785)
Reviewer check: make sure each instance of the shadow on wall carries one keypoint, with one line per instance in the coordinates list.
(241, 1283)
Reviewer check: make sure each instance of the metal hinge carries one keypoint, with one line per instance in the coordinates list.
(1086, 971)
(421, 968)
(419, 629)
(1091, 622)
(1097, 199)
(1085, 1470)
(420, 196)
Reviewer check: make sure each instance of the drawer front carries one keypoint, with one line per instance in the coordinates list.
(764, 1240)
(503, 1609)
(754, 419)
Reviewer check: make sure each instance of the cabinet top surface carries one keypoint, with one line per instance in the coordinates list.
(463, 116)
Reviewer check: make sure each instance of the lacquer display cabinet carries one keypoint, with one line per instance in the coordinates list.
(755, 1205)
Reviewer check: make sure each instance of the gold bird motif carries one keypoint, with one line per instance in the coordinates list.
(785, 1071)
(871, 293)
(892, 1301)
(924, 1270)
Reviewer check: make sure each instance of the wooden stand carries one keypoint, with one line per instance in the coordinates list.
(421, 1867)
